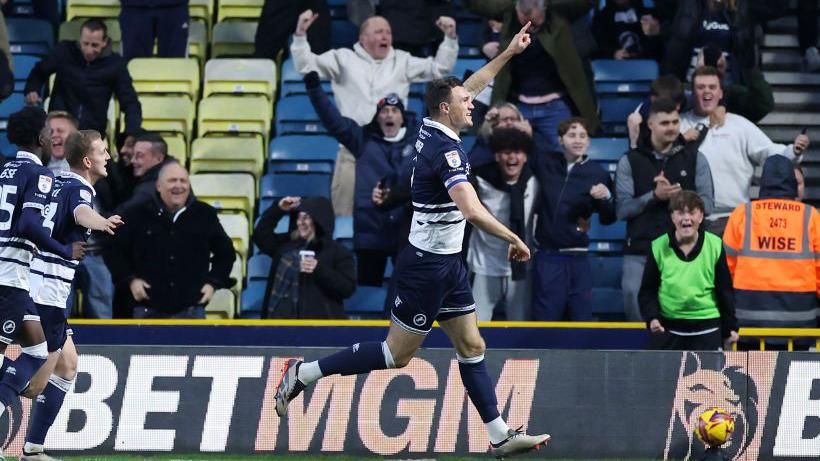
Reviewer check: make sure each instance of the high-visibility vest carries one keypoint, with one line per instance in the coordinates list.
(772, 248)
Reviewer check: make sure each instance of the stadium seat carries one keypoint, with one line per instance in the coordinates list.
(9, 106)
(416, 106)
(418, 89)
(295, 115)
(224, 191)
(463, 65)
(23, 64)
(277, 185)
(240, 76)
(252, 298)
(177, 146)
(366, 302)
(234, 115)
(302, 149)
(202, 10)
(606, 239)
(173, 116)
(631, 76)
(165, 76)
(198, 42)
(237, 228)
(614, 112)
(227, 154)
(467, 142)
(292, 82)
(343, 34)
(234, 38)
(607, 151)
(471, 38)
(238, 9)
(607, 297)
(92, 9)
(70, 30)
(221, 306)
(29, 36)
(259, 267)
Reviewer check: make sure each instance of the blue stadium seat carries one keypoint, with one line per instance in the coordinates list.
(343, 34)
(292, 82)
(30, 36)
(295, 115)
(259, 267)
(607, 151)
(471, 38)
(23, 64)
(614, 112)
(418, 89)
(607, 297)
(343, 229)
(9, 106)
(606, 239)
(366, 301)
(303, 148)
(277, 185)
(252, 297)
(338, 9)
(468, 141)
(463, 65)
(631, 76)
(416, 105)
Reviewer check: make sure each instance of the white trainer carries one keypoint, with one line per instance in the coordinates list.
(517, 443)
(289, 386)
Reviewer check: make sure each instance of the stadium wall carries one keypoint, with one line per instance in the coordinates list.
(596, 404)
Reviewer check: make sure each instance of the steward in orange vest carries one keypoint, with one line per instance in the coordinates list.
(772, 246)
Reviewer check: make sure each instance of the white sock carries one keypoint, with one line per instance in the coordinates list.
(497, 430)
(309, 372)
(33, 448)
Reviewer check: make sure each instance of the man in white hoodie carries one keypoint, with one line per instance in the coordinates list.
(733, 149)
(361, 76)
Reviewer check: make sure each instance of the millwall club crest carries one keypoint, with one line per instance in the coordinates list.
(44, 184)
(453, 159)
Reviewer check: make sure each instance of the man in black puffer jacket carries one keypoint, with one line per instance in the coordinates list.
(88, 74)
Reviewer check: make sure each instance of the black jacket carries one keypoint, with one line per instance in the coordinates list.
(84, 89)
(143, 188)
(322, 293)
(176, 256)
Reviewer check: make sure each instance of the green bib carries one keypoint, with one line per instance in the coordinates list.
(687, 290)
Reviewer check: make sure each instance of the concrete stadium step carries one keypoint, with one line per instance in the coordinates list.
(786, 119)
(797, 100)
(786, 134)
(812, 174)
(782, 60)
(784, 25)
(780, 41)
(792, 79)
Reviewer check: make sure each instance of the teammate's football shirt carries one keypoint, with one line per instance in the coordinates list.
(51, 274)
(440, 163)
(24, 183)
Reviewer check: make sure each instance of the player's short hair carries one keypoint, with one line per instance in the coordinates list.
(668, 87)
(510, 139)
(707, 71)
(94, 24)
(158, 144)
(663, 106)
(24, 126)
(686, 199)
(55, 114)
(78, 145)
(367, 22)
(439, 91)
(564, 126)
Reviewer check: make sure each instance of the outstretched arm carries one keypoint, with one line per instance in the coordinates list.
(479, 80)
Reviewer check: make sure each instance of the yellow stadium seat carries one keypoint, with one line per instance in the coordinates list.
(198, 41)
(201, 9)
(239, 9)
(228, 154)
(70, 30)
(235, 115)
(221, 306)
(177, 146)
(92, 9)
(233, 38)
(238, 273)
(226, 191)
(165, 75)
(240, 76)
(236, 226)
(168, 114)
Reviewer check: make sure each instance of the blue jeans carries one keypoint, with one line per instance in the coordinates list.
(193, 312)
(545, 119)
(94, 280)
(562, 287)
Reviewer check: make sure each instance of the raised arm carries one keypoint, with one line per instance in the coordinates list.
(479, 80)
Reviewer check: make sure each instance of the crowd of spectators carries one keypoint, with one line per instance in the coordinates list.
(693, 150)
